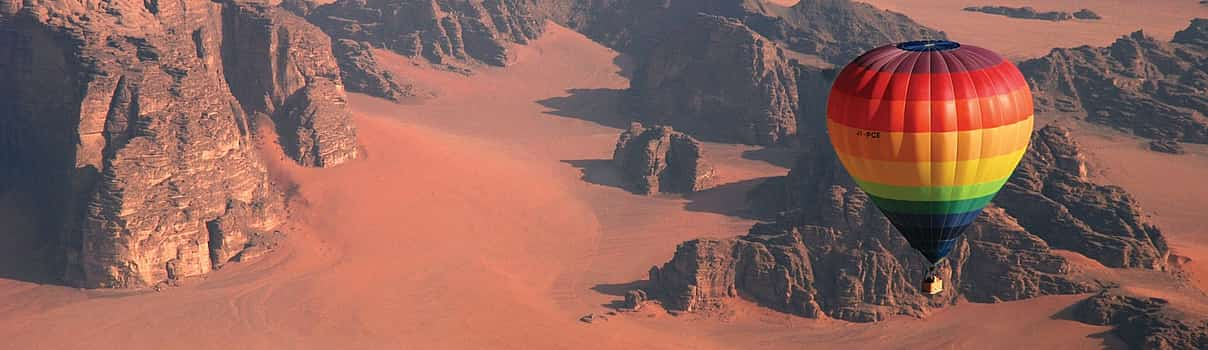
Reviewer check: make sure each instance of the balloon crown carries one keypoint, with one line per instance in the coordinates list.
(928, 45)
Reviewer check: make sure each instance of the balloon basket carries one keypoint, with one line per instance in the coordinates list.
(932, 285)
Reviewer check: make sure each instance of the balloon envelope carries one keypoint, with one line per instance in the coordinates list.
(931, 130)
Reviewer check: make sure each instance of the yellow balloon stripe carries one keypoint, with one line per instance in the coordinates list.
(930, 146)
(950, 173)
(933, 194)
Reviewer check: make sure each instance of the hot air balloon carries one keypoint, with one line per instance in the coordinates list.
(930, 130)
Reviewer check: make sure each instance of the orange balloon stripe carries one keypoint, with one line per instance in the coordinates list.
(931, 146)
(936, 116)
(856, 80)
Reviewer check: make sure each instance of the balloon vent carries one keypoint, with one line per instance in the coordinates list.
(929, 45)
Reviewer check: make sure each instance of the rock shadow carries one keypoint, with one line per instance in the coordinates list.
(600, 106)
(726, 199)
(783, 157)
(598, 171)
(626, 65)
(27, 241)
(619, 290)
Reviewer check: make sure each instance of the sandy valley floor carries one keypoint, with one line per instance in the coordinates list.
(489, 217)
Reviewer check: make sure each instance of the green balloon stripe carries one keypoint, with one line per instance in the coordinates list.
(932, 193)
(938, 207)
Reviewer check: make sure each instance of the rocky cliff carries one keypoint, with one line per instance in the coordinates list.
(441, 31)
(1051, 195)
(361, 72)
(724, 70)
(130, 120)
(280, 65)
(839, 30)
(659, 159)
(836, 30)
(829, 251)
(752, 100)
(1154, 89)
(858, 270)
(1144, 322)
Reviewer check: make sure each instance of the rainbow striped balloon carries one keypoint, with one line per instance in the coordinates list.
(931, 130)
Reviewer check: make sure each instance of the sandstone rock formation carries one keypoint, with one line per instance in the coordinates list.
(441, 31)
(1144, 322)
(129, 119)
(860, 274)
(835, 30)
(360, 71)
(829, 251)
(1087, 14)
(1167, 146)
(280, 65)
(659, 159)
(1051, 195)
(753, 99)
(724, 69)
(839, 30)
(1154, 89)
(1026, 12)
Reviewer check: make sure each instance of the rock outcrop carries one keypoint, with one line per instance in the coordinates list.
(1026, 12)
(282, 66)
(1051, 195)
(361, 73)
(1087, 14)
(863, 273)
(724, 69)
(659, 159)
(1154, 89)
(839, 30)
(130, 120)
(1166, 146)
(441, 31)
(835, 30)
(719, 80)
(1144, 322)
(830, 251)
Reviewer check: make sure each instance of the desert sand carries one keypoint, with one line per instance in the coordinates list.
(1169, 186)
(1024, 38)
(488, 217)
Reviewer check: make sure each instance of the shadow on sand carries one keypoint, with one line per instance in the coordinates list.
(779, 156)
(600, 106)
(24, 248)
(598, 171)
(619, 290)
(726, 199)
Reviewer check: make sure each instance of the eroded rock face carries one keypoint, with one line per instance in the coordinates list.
(719, 80)
(1052, 197)
(724, 69)
(830, 251)
(1025, 12)
(361, 73)
(659, 159)
(441, 31)
(1154, 89)
(840, 30)
(835, 30)
(121, 115)
(280, 65)
(853, 266)
(1144, 322)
